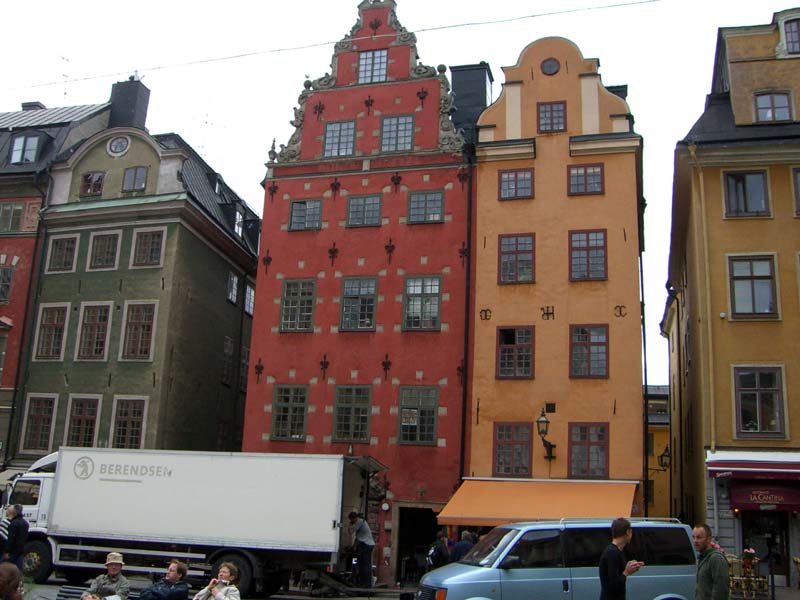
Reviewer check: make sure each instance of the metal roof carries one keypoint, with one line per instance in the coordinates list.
(49, 116)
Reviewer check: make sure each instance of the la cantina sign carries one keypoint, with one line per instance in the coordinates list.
(761, 497)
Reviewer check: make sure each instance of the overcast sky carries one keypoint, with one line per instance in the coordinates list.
(226, 78)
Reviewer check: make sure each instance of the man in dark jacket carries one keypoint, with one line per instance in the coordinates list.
(172, 587)
(17, 536)
(712, 567)
(614, 570)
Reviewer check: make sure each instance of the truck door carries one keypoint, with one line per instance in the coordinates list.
(27, 492)
(534, 568)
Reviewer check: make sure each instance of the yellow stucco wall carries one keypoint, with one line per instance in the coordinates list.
(550, 215)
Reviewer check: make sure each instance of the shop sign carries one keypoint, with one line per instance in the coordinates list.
(757, 496)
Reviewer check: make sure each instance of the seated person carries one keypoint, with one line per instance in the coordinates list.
(172, 587)
(111, 583)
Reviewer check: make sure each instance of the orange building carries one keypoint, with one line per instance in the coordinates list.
(557, 319)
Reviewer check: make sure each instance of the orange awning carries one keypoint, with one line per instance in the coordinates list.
(499, 501)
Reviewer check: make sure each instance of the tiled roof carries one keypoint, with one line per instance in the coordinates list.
(49, 116)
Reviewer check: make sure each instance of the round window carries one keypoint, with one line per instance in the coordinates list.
(550, 66)
(118, 145)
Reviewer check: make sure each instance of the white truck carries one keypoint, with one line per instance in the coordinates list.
(267, 513)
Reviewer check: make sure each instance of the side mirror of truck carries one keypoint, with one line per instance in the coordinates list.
(511, 562)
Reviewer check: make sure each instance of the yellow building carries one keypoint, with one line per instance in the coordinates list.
(733, 314)
(657, 450)
(557, 320)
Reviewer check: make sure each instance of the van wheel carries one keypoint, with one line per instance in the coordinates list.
(245, 581)
(37, 562)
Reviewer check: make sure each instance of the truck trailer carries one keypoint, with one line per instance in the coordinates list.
(270, 514)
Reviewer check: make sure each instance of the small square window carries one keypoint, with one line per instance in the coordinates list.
(516, 258)
(372, 66)
(587, 255)
(773, 107)
(552, 116)
(746, 194)
(24, 149)
(305, 215)
(397, 134)
(340, 138)
(514, 353)
(135, 179)
(426, 207)
(585, 179)
(364, 211)
(753, 290)
(63, 251)
(147, 248)
(515, 185)
(92, 184)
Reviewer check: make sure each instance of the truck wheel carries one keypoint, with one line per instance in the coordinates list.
(245, 580)
(37, 562)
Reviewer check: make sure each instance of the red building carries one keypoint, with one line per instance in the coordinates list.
(358, 334)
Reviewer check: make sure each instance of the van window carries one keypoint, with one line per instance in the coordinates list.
(665, 545)
(486, 551)
(584, 545)
(26, 492)
(536, 549)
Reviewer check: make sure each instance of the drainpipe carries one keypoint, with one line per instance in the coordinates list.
(645, 470)
(470, 156)
(26, 335)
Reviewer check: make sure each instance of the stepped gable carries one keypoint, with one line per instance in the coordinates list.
(377, 28)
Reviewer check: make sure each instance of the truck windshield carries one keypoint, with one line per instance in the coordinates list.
(26, 492)
(488, 549)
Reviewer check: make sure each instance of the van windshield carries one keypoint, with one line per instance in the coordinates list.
(490, 547)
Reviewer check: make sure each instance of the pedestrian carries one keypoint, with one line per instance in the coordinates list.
(363, 544)
(462, 547)
(222, 586)
(438, 553)
(110, 583)
(172, 586)
(17, 536)
(10, 582)
(712, 567)
(614, 570)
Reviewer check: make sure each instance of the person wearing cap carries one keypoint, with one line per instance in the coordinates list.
(110, 583)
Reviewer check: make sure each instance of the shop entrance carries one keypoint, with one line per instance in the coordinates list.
(417, 531)
(767, 532)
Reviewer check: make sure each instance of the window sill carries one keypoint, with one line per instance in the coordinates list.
(514, 198)
(527, 282)
(738, 216)
(751, 318)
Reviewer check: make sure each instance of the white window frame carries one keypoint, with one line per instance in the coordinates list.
(92, 235)
(113, 423)
(249, 298)
(42, 306)
(24, 428)
(124, 329)
(63, 236)
(233, 287)
(99, 398)
(110, 305)
(134, 236)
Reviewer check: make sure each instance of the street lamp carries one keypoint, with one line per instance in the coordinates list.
(664, 458)
(542, 424)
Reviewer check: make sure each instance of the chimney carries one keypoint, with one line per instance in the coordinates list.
(129, 104)
(472, 88)
(33, 106)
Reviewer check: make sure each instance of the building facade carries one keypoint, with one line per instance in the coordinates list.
(557, 321)
(142, 243)
(30, 139)
(358, 345)
(733, 311)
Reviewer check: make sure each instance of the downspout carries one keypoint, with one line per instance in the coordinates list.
(26, 335)
(707, 286)
(646, 471)
(470, 156)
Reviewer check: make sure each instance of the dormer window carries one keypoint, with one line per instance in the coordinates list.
(135, 179)
(24, 149)
(238, 224)
(792, 29)
(372, 66)
(92, 184)
(772, 107)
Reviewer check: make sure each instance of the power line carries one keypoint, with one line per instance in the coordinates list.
(328, 43)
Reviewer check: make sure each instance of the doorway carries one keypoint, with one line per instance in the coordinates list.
(417, 531)
(767, 532)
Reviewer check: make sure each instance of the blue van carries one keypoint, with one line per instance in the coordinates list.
(558, 560)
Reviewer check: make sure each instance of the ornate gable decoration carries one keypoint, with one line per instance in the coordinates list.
(450, 140)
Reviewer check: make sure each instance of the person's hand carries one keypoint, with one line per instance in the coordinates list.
(213, 582)
(632, 567)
